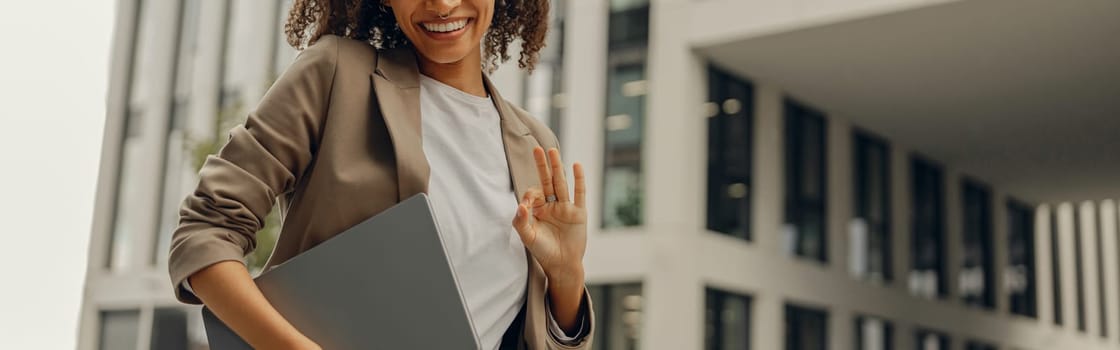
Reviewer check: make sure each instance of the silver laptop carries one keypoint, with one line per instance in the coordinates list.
(385, 283)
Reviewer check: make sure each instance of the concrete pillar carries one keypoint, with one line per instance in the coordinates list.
(840, 202)
(674, 176)
(1066, 263)
(768, 320)
(1044, 274)
(585, 80)
(116, 106)
(768, 183)
(1089, 266)
(1000, 239)
(1111, 280)
(901, 217)
(954, 232)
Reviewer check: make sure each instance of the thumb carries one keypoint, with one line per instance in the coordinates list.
(523, 224)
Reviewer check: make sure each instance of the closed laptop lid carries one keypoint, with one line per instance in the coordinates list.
(384, 283)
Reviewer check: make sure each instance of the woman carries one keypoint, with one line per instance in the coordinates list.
(338, 139)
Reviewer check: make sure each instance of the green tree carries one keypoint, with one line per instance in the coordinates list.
(201, 147)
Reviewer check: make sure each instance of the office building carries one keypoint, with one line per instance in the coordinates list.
(889, 174)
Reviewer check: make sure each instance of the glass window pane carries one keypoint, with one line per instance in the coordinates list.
(727, 321)
(927, 244)
(805, 181)
(1020, 275)
(169, 329)
(119, 329)
(729, 154)
(626, 90)
(1055, 268)
(806, 328)
(976, 278)
(618, 314)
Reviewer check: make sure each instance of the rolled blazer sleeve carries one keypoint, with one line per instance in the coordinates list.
(263, 159)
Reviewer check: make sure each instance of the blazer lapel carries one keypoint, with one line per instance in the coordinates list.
(518, 143)
(396, 82)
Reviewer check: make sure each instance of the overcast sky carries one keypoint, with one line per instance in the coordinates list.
(53, 70)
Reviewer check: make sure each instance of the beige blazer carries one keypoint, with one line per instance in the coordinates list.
(337, 139)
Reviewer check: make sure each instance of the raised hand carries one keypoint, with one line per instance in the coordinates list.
(551, 224)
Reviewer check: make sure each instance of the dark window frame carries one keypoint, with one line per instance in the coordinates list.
(603, 316)
(627, 49)
(925, 172)
(798, 207)
(715, 299)
(102, 315)
(1056, 267)
(864, 143)
(723, 171)
(1021, 215)
(983, 228)
(797, 314)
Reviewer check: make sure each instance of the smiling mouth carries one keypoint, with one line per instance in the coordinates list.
(447, 27)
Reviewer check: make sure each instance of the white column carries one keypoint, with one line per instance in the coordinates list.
(674, 176)
(585, 52)
(1089, 266)
(841, 326)
(840, 200)
(1111, 281)
(768, 319)
(1044, 274)
(768, 183)
(1066, 263)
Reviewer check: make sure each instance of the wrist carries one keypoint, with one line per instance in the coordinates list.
(565, 276)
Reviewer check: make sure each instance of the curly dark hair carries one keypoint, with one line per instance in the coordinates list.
(372, 21)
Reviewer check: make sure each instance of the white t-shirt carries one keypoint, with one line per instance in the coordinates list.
(470, 193)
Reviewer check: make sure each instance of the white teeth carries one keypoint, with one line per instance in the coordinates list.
(445, 27)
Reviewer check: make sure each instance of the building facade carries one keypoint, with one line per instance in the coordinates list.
(768, 175)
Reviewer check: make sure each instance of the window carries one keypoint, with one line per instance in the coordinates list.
(927, 244)
(133, 140)
(727, 321)
(730, 102)
(1020, 274)
(175, 162)
(870, 231)
(544, 88)
(873, 333)
(975, 345)
(1055, 267)
(282, 53)
(618, 315)
(626, 90)
(119, 329)
(977, 282)
(1078, 273)
(930, 340)
(169, 329)
(805, 233)
(806, 328)
(1101, 294)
